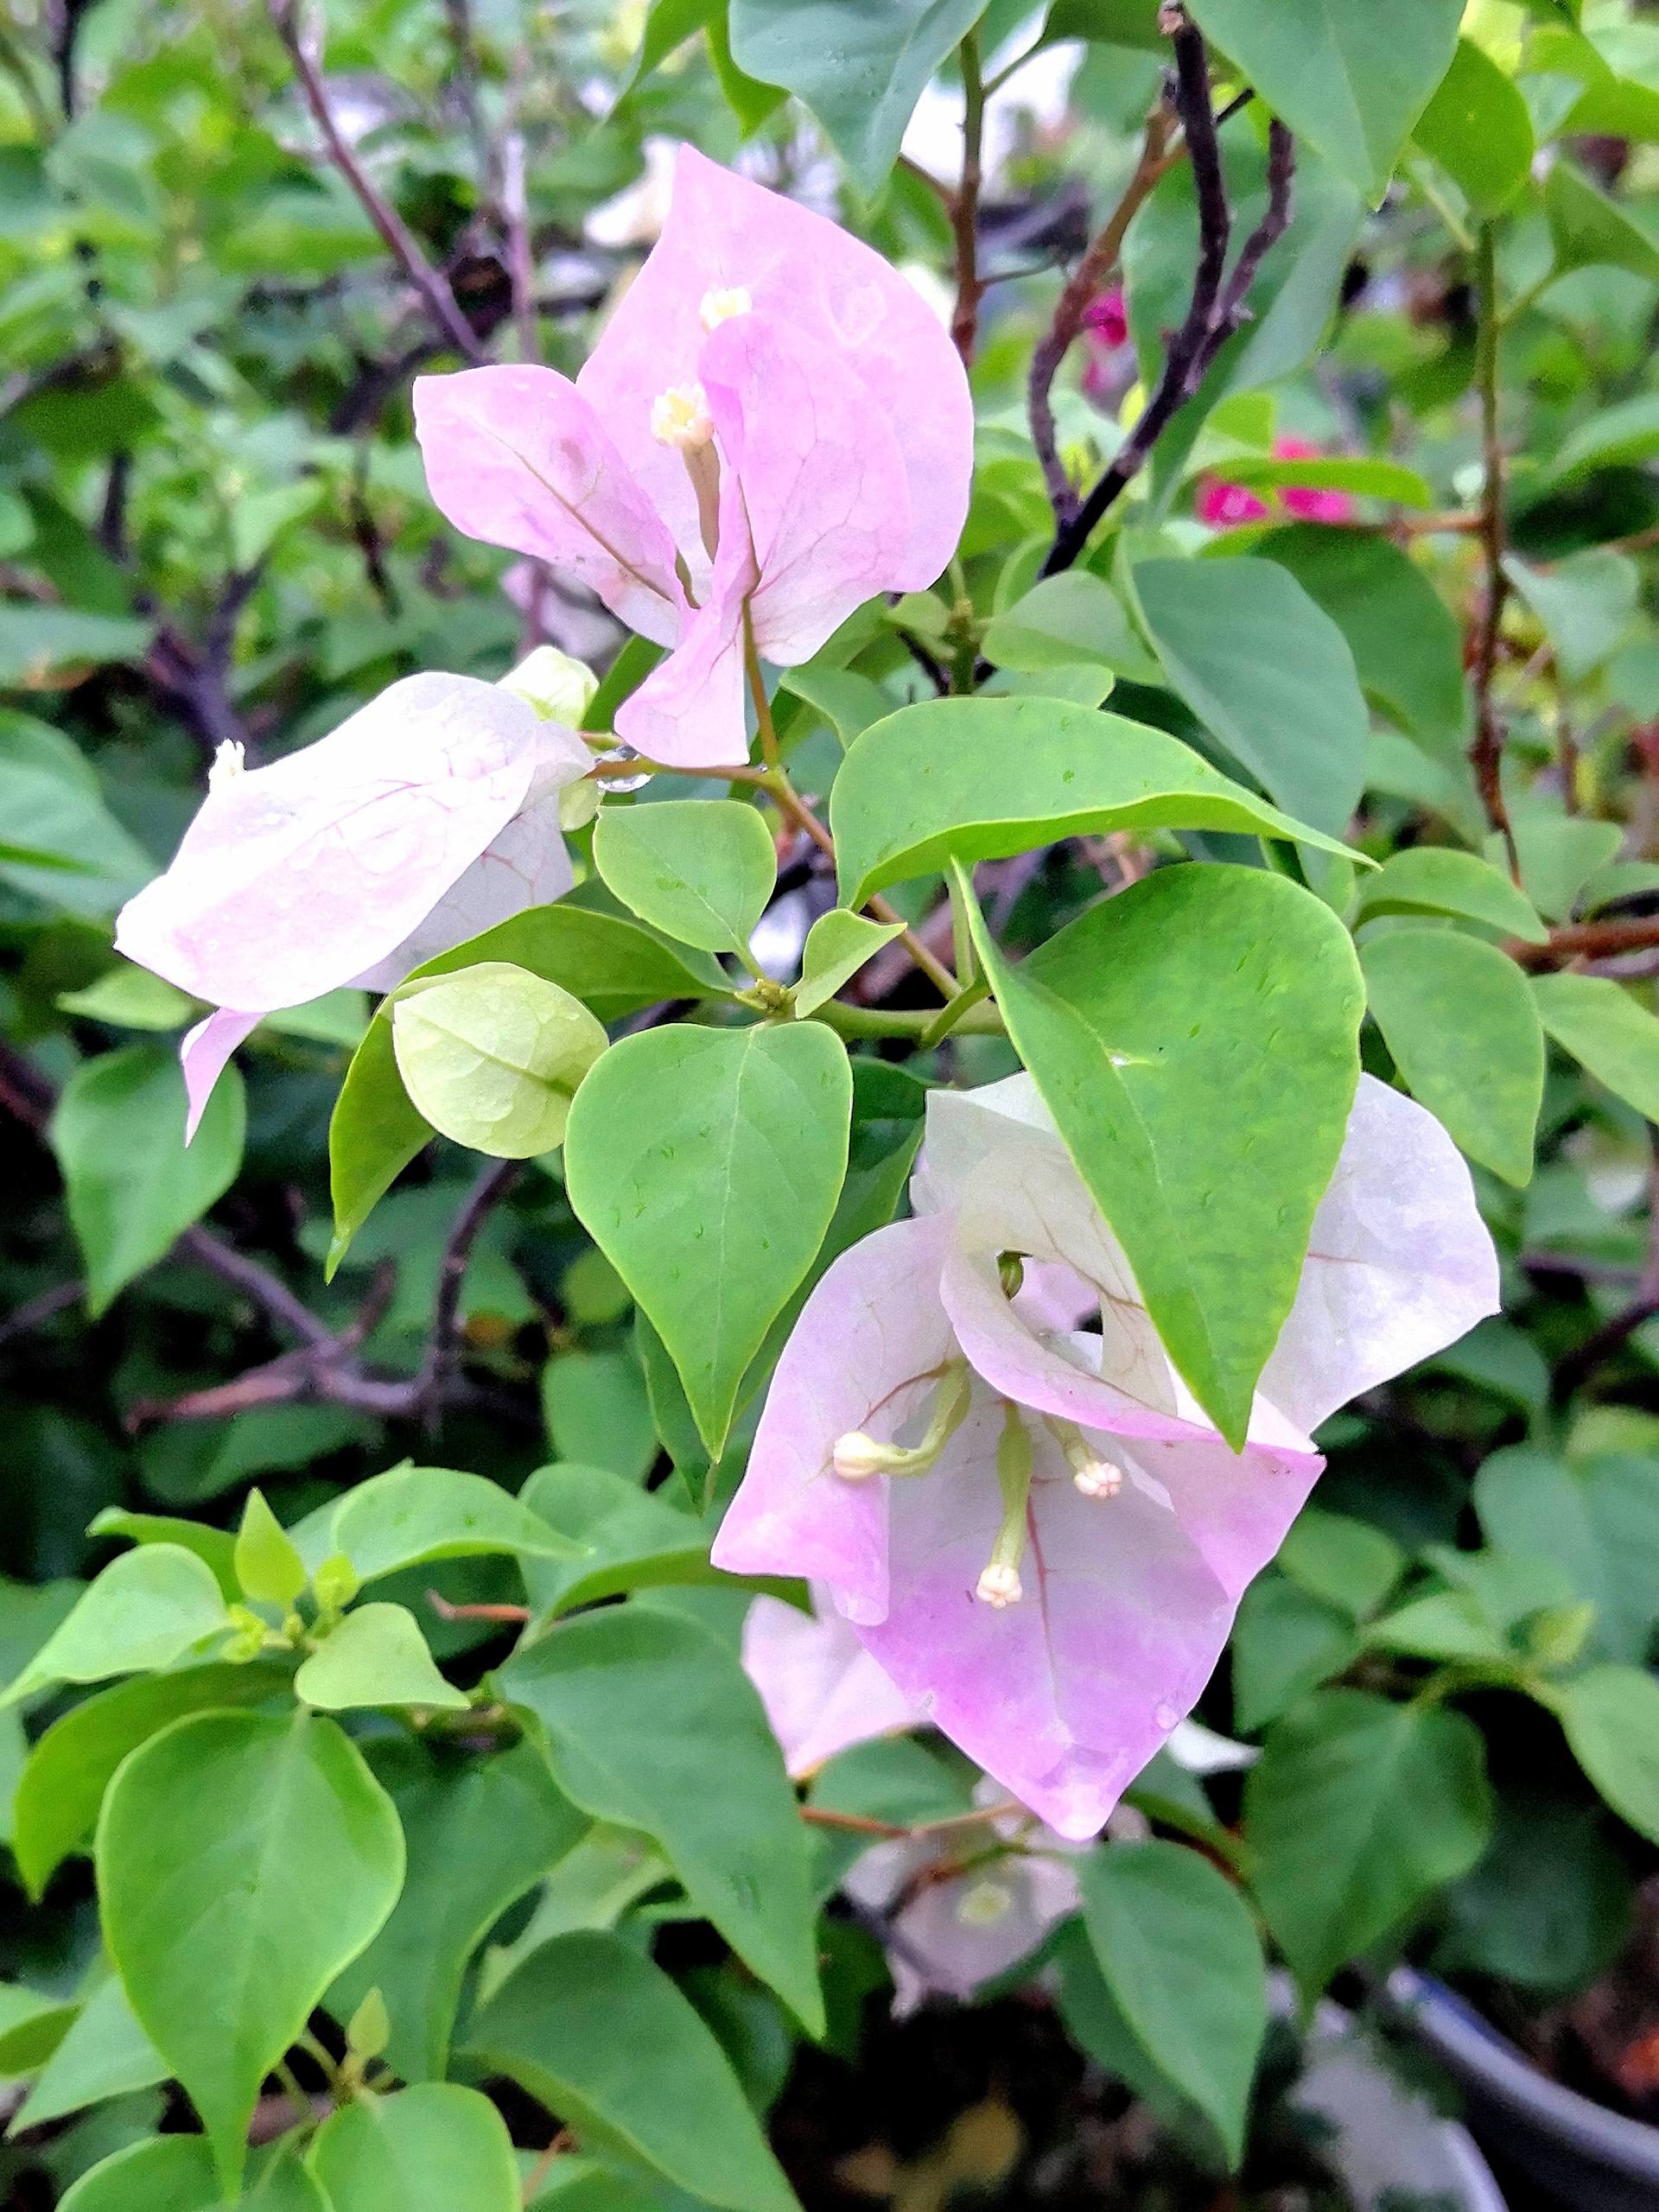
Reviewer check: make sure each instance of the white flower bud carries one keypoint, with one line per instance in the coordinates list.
(857, 1456)
(721, 304)
(1098, 1478)
(229, 760)
(1000, 1586)
(559, 687)
(680, 417)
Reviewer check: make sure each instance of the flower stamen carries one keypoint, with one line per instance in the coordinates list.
(1092, 1473)
(857, 1455)
(720, 303)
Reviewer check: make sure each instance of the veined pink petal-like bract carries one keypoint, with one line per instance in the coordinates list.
(837, 413)
(1133, 1568)
(428, 814)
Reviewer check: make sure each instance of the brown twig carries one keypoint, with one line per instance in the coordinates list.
(437, 1367)
(510, 1614)
(1158, 155)
(820, 1816)
(964, 202)
(1217, 305)
(304, 51)
(1587, 941)
(36, 1312)
(1486, 753)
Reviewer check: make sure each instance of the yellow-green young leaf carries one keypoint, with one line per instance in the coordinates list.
(604, 2038)
(130, 998)
(559, 687)
(242, 1862)
(1196, 1039)
(1458, 1019)
(131, 1182)
(701, 869)
(706, 1164)
(1607, 1031)
(837, 945)
(435, 2148)
(144, 1613)
(1438, 880)
(493, 1056)
(269, 1569)
(1611, 1718)
(376, 1656)
(410, 1516)
(369, 2029)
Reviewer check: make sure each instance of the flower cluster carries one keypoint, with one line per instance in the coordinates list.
(1225, 506)
(1033, 1528)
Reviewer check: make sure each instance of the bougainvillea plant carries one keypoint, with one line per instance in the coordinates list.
(896, 1235)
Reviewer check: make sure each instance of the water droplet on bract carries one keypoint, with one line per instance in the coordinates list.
(1165, 1715)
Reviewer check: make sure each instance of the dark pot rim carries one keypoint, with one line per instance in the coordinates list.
(1471, 2048)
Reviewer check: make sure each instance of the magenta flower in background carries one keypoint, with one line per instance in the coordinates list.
(1105, 333)
(1035, 1531)
(1224, 505)
(429, 814)
(773, 427)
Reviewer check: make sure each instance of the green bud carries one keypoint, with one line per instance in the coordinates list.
(268, 1567)
(335, 1583)
(492, 1056)
(1554, 1636)
(249, 1639)
(559, 687)
(369, 2029)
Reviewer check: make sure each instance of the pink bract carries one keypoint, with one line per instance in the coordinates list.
(1224, 505)
(427, 815)
(819, 380)
(1129, 1594)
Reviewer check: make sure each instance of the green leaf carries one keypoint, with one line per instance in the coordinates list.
(175, 2173)
(1195, 1039)
(32, 2026)
(981, 778)
(1598, 1519)
(627, 1539)
(1406, 643)
(1621, 436)
(837, 945)
(640, 1709)
(492, 1056)
(411, 1515)
(1479, 128)
(700, 870)
(1348, 77)
(572, 2025)
(1611, 1715)
(132, 1184)
(268, 1568)
(1365, 475)
(1589, 229)
(861, 66)
(376, 1656)
(104, 2054)
(1607, 1031)
(70, 1767)
(1357, 1811)
(1178, 1949)
(598, 1408)
(130, 998)
(848, 703)
(1343, 1562)
(242, 1862)
(1438, 880)
(1267, 669)
(1285, 1643)
(1460, 1020)
(1558, 853)
(1586, 603)
(1549, 1905)
(144, 1613)
(705, 1164)
(1065, 620)
(71, 852)
(433, 2148)
(38, 641)
(479, 1833)
(609, 961)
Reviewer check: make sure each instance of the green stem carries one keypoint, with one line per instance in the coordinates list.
(978, 1019)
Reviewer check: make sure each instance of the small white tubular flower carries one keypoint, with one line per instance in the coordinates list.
(680, 417)
(231, 760)
(857, 1456)
(1097, 1478)
(998, 1586)
(721, 303)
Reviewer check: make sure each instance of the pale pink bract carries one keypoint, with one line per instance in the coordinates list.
(818, 381)
(429, 814)
(1130, 1587)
